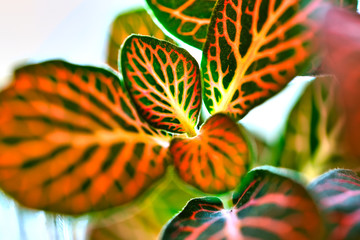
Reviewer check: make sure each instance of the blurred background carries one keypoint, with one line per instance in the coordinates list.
(77, 31)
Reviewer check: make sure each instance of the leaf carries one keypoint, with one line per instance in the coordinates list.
(253, 49)
(338, 192)
(314, 130)
(187, 20)
(71, 142)
(268, 205)
(164, 81)
(138, 21)
(215, 160)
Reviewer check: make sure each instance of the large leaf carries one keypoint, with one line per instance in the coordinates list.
(338, 192)
(138, 21)
(253, 49)
(164, 81)
(71, 142)
(187, 20)
(215, 160)
(268, 205)
(314, 130)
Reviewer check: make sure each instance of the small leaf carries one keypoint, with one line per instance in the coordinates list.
(187, 20)
(268, 205)
(164, 81)
(138, 21)
(253, 49)
(71, 142)
(338, 192)
(216, 159)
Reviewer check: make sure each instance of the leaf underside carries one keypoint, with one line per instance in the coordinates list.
(267, 206)
(215, 160)
(164, 81)
(138, 21)
(71, 142)
(187, 20)
(338, 192)
(253, 49)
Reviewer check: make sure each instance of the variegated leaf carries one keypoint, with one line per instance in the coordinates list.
(314, 130)
(253, 49)
(268, 205)
(71, 142)
(215, 160)
(338, 192)
(187, 20)
(164, 81)
(139, 22)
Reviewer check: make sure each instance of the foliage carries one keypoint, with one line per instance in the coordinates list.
(78, 139)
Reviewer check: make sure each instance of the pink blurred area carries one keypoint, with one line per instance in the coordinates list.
(340, 38)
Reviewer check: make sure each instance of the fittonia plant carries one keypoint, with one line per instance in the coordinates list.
(76, 139)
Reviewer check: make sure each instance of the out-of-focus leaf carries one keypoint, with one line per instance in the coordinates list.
(215, 160)
(71, 142)
(253, 49)
(139, 22)
(340, 39)
(164, 81)
(187, 20)
(144, 219)
(338, 192)
(268, 205)
(314, 131)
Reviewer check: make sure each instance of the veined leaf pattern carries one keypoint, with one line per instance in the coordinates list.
(215, 160)
(187, 20)
(338, 192)
(164, 81)
(138, 21)
(268, 205)
(253, 49)
(71, 142)
(314, 130)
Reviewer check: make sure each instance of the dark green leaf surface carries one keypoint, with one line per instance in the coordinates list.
(187, 20)
(268, 205)
(338, 192)
(164, 82)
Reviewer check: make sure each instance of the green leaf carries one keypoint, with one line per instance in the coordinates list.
(125, 24)
(215, 160)
(253, 49)
(187, 20)
(268, 205)
(143, 219)
(338, 192)
(314, 130)
(164, 81)
(71, 142)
